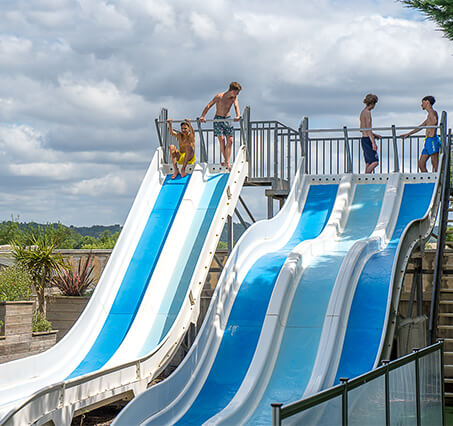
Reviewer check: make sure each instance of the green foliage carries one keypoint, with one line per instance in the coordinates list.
(94, 237)
(222, 245)
(40, 323)
(106, 240)
(74, 282)
(36, 253)
(15, 284)
(439, 11)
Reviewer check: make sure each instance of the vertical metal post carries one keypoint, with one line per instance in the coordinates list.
(442, 383)
(443, 130)
(163, 116)
(203, 153)
(159, 136)
(417, 387)
(347, 151)
(419, 287)
(304, 142)
(248, 137)
(270, 207)
(387, 393)
(344, 401)
(230, 234)
(276, 414)
(275, 154)
(396, 166)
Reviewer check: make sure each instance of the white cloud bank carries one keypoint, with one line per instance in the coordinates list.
(81, 83)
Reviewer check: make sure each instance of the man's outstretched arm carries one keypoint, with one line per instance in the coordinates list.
(206, 109)
(238, 111)
(170, 128)
(417, 129)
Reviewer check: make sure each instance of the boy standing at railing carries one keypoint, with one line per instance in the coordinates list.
(432, 141)
(186, 142)
(223, 102)
(368, 141)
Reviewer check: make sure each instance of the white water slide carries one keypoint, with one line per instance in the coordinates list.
(144, 303)
(305, 298)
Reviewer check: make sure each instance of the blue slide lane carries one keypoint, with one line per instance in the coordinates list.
(295, 361)
(137, 276)
(183, 268)
(367, 317)
(247, 315)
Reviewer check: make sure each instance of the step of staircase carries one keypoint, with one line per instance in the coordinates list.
(445, 331)
(445, 306)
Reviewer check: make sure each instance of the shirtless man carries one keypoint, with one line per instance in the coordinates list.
(368, 141)
(186, 153)
(432, 141)
(223, 102)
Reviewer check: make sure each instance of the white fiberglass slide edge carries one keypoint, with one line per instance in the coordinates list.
(261, 367)
(178, 391)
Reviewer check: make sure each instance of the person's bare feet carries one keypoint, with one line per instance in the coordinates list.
(223, 164)
(176, 173)
(183, 172)
(228, 166)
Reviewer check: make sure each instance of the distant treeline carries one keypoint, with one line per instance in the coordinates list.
(66, 237)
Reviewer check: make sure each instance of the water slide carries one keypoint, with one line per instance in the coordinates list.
(305, 298)
(145, 301)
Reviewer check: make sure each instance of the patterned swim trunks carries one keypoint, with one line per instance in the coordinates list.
(432, 145)
(222, 128)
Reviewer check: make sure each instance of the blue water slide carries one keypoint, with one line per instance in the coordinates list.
(136, 279)
(299, 346)
(367, 317)
(182, 268)
(245, 321)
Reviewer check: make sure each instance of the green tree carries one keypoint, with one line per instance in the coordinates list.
(36, 254)
(439, 11)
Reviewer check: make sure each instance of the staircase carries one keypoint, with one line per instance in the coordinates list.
(445, 318)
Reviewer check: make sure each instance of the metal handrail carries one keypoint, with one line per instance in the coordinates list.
(280, 412)
(438, 260)
(362, 129)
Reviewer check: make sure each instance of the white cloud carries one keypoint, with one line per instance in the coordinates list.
(81, 83)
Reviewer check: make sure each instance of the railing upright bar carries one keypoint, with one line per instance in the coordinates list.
(288, 160)
(442, 369)
(417, 386)
(164, 132)
(347, 150)
(387, 393)
(396, 166)
(305, 142)
(344, 402)
(276, 414)
(275, 154)
(159, 136)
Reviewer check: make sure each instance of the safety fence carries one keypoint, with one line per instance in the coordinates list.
(407, 391)
(275, 150)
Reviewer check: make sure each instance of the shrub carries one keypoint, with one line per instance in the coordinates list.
(74, 282)
(40, 323)
(15, 284)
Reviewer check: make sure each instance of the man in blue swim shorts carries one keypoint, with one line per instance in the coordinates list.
(223, 102)
(432, 141)
(368, 141)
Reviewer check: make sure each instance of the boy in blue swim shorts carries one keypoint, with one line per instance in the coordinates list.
(223, 129)
(368, 141)
(432, 142)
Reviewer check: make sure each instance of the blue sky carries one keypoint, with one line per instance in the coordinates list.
(81, 82)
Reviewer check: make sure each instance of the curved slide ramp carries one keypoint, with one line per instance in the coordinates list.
(219, 357)
(293, 349)
(172, 222)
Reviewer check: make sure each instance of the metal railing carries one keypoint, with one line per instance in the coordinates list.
(442, 234)
(206, 147)
(408, 388)
(338, 151)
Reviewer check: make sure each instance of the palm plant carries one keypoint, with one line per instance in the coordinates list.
(36, 254)
(74, 282)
